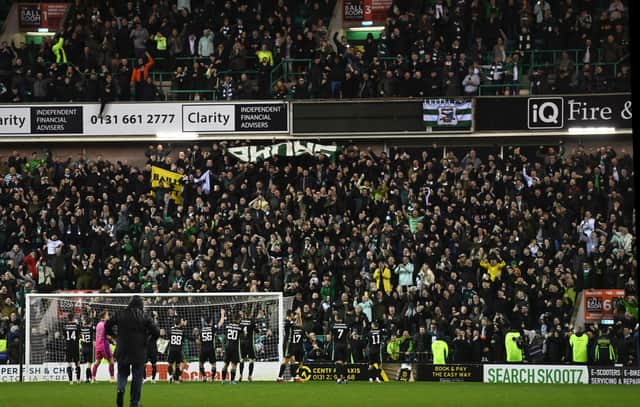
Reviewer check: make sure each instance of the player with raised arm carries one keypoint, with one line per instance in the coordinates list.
(207, 349)
(232, 346)
(86, 345)
(374, 345)
(340, 337)
(288, 328)
(247, 344)
(103, 350)
(294, 349)
(152, 357)
(72, 339)
(176, 357)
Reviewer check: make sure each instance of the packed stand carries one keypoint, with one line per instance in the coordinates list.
(227, 50)
(122, 50)
(428, 244)
(439, 48)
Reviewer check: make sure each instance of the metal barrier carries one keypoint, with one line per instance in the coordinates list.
(191, 94)
(581, 64)
(534, 56)
(284, 69)
(503, 89)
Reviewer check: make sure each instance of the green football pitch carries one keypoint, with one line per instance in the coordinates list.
(261, 394)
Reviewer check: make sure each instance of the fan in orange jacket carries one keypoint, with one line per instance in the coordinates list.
(140, 73)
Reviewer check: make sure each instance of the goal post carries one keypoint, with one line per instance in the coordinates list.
(45, 315)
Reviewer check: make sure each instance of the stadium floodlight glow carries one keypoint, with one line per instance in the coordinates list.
(592, 130)
(175, 135)
(368, 29)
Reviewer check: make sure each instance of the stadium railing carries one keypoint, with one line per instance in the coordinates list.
(579, 65)
(174, 94)
(535, 57)
(492, 89)
(284, 69)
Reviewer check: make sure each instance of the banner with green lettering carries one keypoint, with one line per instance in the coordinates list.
(536, 374)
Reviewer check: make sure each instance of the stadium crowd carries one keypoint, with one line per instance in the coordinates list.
(121, 50)
(426, 242)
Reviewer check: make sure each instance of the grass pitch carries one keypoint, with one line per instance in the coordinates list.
(354, 394)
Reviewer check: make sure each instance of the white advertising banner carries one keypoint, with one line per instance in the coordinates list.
(144, 119)
(15, 120)
(536, 374)
(57, 372)
(208, 117)
(134, 119)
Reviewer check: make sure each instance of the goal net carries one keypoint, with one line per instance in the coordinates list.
(46, 315)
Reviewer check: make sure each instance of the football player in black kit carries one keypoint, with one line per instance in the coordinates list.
(374, 339)
(72, 339)
(340, 338)
(247, 344)
(232, 346)
(294, 349)
(86, 343)
(176, 357)
(207, 349)
(152, 357)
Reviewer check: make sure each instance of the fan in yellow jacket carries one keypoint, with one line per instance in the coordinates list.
(382, 276)
(493, 267)
(58, 50)
(265, 53)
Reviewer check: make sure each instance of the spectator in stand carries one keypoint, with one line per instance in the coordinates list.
(139, 35)
(140, 74)
(160, 50)
(471, 81)
(247, 88)
(612, 51)
(496, 76)
(176, 44)
(623, 79)
(279, 90)
(264, 54)
(552, 275)
(499, 52)
(149, 91)
(301, 89)
(191, 46)
(513, 72)
(585, 80)
(205, 44)
(601, 80)
(366, 87)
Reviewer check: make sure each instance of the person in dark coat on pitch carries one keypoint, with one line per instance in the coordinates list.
(135, 330)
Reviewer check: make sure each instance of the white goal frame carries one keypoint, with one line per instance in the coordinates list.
(276, 295)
